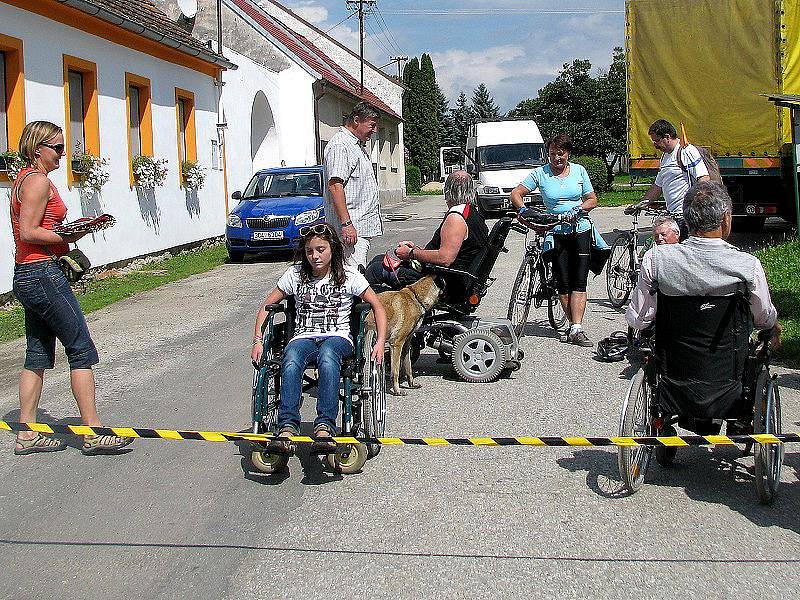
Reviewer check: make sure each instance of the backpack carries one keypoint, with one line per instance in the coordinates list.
(708, 159)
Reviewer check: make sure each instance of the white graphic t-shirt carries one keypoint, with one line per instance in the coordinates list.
(323, 309)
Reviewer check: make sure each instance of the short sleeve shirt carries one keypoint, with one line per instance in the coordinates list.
(562, 194)
(346, 159)
(322, 308)
(674, 181)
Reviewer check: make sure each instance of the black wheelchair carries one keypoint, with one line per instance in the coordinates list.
(362, 392)
(698, 377)
(479, 348)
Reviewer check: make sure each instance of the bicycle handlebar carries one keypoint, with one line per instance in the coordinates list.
(531, 219)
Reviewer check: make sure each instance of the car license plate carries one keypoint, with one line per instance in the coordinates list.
(268, 235)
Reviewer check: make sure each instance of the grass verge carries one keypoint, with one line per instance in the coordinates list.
(619, 197)
(427, 193)
(782, 265)
(101, 293)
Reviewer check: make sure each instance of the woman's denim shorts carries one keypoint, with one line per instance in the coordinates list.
(52, 311)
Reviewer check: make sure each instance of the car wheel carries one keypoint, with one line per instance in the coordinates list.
(235, 256)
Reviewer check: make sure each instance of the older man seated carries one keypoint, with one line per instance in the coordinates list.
(666, 231)
(704, 296)
(461, 236)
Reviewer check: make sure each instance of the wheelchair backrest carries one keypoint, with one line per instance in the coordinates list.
(701, 350)
(484, 262)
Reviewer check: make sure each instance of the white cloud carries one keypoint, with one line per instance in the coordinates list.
(499, 67)
(311, 11)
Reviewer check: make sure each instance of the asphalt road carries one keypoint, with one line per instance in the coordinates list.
(181, 519)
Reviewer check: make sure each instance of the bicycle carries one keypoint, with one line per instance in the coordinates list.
(535, 281)
(622, 271)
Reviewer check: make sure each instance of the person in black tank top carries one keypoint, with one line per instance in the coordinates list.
(460, 237)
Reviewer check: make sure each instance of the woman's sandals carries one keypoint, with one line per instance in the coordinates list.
(41, 443)
(104, 444)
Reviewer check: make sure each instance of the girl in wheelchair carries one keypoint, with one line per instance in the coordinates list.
(323, 288)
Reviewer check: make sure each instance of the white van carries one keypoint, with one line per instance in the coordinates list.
(500, 155)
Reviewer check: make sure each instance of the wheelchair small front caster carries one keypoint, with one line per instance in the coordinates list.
(348, 458)
(268, 463)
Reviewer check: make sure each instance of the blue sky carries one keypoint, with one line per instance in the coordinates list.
(516, 48)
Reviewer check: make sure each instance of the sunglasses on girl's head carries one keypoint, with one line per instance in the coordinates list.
(59, 148)
(319, 229)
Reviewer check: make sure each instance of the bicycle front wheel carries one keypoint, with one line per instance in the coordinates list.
(526, 285)
(620, 271)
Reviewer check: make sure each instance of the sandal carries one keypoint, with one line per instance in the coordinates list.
(104, 444)
(41, 443)
(280, 444)
(322, 443)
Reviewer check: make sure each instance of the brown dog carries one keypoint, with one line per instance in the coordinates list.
(404, 311)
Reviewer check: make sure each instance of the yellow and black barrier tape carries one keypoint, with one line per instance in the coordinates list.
(676, 441)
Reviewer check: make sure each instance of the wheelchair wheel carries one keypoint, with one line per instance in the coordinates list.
(633, 461)
(348, 458)
(373, 409)
(768, 457)
(619, 272)
(526, 286)
(479, 356)
(268, 463)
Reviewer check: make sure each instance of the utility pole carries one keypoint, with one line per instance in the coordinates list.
(399, 60)
(359, 4)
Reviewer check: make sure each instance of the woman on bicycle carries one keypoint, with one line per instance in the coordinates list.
(566, 190)
(323, 288)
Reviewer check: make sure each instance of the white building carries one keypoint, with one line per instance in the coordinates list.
(294, 86)
(121, 79)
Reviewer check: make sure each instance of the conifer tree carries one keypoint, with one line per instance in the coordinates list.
(483, 105)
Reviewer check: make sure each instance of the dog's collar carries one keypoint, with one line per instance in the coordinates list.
(414, 293)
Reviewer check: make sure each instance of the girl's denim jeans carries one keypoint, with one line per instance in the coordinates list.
(328, 354)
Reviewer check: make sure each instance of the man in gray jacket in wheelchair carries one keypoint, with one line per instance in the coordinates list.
(708, 296)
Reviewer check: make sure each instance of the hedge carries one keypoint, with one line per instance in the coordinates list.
(598, 174)
(413, 179)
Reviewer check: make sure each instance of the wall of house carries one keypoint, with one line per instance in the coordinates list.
(384, 147)
(167, 217)
(270, 119)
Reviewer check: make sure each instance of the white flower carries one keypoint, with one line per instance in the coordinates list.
(149, 172)
(14, 163)
(92, 169)
(194, 176)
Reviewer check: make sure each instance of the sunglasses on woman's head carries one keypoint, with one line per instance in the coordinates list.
(58, 148)
(319, 229)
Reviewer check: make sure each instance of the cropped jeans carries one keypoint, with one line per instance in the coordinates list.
(328, 354)
(52, 311)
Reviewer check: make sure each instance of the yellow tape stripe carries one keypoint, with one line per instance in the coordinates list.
(484, 441)
(41, 428)
(169, 434)
(81, 430)
(720, 440)
(621, 441)
(766, 438)
(530, 441)
(213, 436)
(436, 441)
(125, 432)
(577, 441)
(5, 426)
(673, 441)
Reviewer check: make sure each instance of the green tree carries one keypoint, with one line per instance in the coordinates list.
(448, 136)
(590, 109)
(463, 117)
(411, 133)
(428, 120)
(483, 106)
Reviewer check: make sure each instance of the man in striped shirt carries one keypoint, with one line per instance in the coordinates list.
(351, 195)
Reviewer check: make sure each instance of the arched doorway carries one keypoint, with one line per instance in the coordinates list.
(264, 148)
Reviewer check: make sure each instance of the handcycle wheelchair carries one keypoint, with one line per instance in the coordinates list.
(362, 392)
(744, 394)
(479, 348)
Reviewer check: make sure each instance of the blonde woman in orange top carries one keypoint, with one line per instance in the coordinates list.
(51, 309)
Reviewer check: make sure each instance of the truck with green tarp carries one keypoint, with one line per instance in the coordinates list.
(709, 65)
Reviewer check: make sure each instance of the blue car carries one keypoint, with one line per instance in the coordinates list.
(272, 209)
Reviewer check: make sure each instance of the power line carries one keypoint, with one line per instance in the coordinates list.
(347, 18)
(374, 36)
(496, 11)
(391, 49)
(389, 31)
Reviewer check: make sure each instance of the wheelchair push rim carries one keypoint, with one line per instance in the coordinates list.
(633, 461)
(373, 395)
(768, 458)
